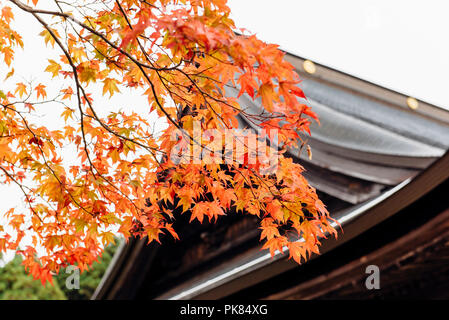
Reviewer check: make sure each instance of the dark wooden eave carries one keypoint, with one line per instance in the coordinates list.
(414, 266)
(354, 221)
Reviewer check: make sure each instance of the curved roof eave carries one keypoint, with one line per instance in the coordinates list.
(240, 273)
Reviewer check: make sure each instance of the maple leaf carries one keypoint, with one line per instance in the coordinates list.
(5, 150)
(67, 93)
(48, 37)
(89, 98)
(136, 30)
(172, 231)
(8, 54)
(269, 229)
(288, 87)
(275, 244)
(53, 68)
(110, 85)
(7, 14)
(199, 210)
(21, 89)
(226, 197)
(108, 238)
(10, 74)
(185, 201)
(274, 208)
(214, 210)
(247, 84)
(266, 91)
(40, 90)
(297, 251)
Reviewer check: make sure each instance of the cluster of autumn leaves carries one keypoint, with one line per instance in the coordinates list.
(184, 55)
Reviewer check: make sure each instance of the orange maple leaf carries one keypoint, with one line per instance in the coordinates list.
(40, 90)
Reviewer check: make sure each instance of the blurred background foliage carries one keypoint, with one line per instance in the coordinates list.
(16, 284)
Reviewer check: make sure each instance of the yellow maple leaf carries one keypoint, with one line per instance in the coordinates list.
(110, 85)
(53, 68)
(21, 89)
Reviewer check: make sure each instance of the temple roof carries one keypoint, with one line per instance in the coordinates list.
(373, 156)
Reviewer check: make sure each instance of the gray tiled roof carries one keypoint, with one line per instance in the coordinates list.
(363, 138)
(349, 131)
(400, 121)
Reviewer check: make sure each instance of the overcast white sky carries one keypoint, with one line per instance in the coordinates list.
(402, 45)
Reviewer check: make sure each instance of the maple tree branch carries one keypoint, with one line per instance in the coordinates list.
(23, 191)
(140, 65)
(90, 29)
(79, 87)
(44, 24)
